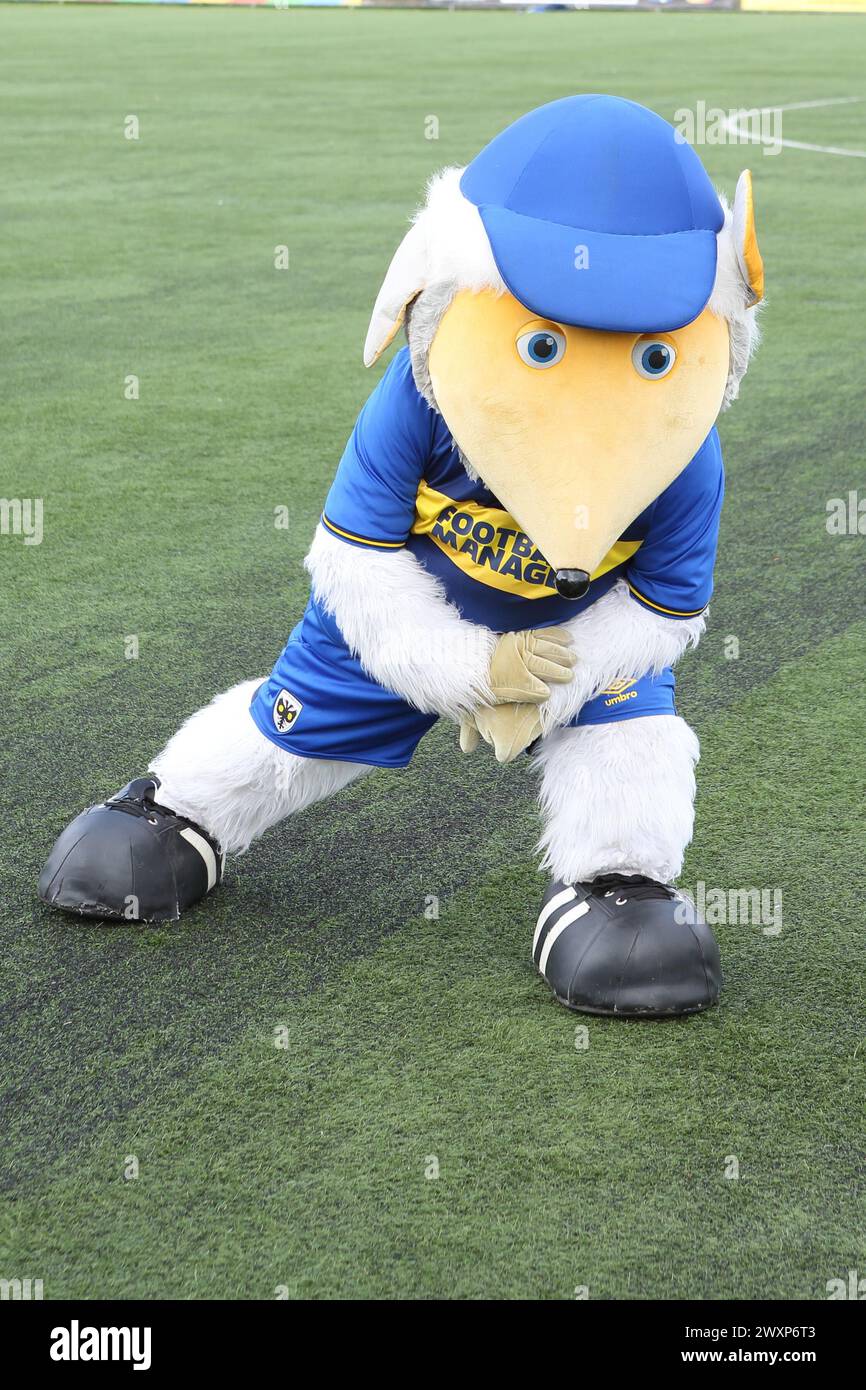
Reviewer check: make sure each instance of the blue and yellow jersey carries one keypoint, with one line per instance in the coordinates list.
(400, 484)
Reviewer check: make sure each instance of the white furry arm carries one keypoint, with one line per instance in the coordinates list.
(398, 622)
(617, 639)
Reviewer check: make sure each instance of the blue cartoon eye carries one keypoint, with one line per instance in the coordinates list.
(652, 358)
(541, 347)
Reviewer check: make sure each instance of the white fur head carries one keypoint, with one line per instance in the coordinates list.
(447, 249)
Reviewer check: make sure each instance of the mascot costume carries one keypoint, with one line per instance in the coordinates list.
(520, 538)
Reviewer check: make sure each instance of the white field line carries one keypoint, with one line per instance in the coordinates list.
(732, 125)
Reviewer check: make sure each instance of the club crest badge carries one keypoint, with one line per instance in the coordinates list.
(286, 711)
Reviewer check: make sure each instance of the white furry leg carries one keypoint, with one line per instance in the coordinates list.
(618, 798)
(219, 770)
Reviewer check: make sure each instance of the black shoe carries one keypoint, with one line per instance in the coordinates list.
(131, 859)
(626, 945)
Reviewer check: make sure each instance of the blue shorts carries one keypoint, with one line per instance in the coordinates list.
(318, 702)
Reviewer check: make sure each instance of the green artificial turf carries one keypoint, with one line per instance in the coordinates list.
(306, 1166)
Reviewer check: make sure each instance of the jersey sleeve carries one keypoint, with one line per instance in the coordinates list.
(672, 572)
(372, 497)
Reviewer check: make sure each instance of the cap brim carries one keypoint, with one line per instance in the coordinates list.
(623, 284)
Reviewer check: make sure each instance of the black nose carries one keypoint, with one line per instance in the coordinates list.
(571, 583)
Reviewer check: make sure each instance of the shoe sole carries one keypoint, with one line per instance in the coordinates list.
(648, 1014)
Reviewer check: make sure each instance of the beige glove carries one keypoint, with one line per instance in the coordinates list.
(507, 728)
(526, 663)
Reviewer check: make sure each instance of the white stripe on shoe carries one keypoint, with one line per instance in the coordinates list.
(199, 843)
(556, 932)
(556, 902)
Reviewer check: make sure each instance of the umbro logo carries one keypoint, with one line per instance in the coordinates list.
(620, 690)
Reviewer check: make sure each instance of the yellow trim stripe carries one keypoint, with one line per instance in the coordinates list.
(361, 540)
(674, 612)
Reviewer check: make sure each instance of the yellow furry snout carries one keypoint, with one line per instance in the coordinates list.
(576, 431)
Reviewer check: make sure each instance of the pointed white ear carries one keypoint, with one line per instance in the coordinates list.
(749, 261)
(406, 278)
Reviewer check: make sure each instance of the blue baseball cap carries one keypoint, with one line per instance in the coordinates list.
(599, 216)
